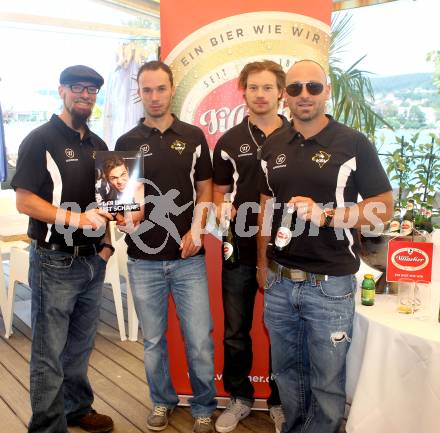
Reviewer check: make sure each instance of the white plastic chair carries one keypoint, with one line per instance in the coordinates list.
(19, 268)
(18, 272)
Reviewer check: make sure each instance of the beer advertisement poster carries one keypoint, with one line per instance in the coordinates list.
(118, 181)
(409, 261)
(206, 45)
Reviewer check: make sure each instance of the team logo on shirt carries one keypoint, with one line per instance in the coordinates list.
(280, 159)
(244, 148)
(94, 154)
(69, 153)
(145, 148)
(321, 158)
(179, 146)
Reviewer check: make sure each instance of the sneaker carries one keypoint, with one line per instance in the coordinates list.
(236, 411)
(203, 424)
(93, 422)
(158, 418)
(277, 416)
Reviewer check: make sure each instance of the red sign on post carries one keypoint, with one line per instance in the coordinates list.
(409, 261)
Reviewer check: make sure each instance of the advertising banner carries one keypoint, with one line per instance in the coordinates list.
(206, 44)
(409, 261)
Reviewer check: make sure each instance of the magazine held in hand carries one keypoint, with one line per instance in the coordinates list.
(117, 177)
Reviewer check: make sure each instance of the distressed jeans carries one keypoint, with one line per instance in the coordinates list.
(310, 328)
(66, 297)
(152, 282)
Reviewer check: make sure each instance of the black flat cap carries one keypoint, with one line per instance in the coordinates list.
(80, 73)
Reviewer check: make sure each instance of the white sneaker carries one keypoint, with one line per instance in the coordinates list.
(232, 415)
(277, 416)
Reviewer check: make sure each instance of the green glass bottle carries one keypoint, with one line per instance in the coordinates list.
(368, 292)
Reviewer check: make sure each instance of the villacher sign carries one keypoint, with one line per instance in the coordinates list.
(409, 261)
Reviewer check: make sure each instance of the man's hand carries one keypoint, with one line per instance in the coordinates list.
(94, 218)
(126, 223)
(191, 243)
(307, 210)
(105, 254)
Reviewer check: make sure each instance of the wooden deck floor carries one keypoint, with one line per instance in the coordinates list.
(116, 372)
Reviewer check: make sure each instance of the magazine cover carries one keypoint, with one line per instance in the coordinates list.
(117, 182)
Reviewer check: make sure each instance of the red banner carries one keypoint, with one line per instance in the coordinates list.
(409, 261)
(206, 45)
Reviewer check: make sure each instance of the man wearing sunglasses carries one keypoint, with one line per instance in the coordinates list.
(55, 172)
(236, 165)
(317, 167)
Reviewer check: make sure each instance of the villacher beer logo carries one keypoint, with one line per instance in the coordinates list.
(228, 249)
(283, 237)
(410, 259)
(207, 62)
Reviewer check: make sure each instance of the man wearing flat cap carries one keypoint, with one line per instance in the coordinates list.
(54, 185)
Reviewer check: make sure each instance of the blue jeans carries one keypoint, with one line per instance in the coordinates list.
(310, 328)
(152, 282)
(66, 297)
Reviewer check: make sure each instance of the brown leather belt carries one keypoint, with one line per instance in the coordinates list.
(295, 274)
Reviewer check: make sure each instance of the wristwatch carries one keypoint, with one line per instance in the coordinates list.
(328, 217)
(109, 246)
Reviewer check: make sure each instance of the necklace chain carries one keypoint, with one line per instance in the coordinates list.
(252, 135)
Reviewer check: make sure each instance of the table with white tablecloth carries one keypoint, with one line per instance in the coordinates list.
(393, 366)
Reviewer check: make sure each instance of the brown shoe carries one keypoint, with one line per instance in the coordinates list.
(94, 422)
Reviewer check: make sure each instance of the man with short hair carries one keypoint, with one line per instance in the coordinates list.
(236, 168)
(166, 253)
(116, 174)
(54, 184)
(316, 168)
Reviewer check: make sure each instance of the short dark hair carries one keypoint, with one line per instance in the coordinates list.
(111, 163)
(264, 65)
(155, 65)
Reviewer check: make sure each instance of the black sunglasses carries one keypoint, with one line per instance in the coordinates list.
(313, 87)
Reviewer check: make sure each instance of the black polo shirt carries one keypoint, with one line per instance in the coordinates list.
(173, 162)
(332, 168)
(236, 164)
(55, 164)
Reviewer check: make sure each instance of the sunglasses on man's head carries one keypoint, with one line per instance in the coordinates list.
(313, 87)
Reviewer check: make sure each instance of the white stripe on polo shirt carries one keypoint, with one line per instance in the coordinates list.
(266, 175)
(343, 175)
(196, 156)
(55, 174)
(225, 156)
